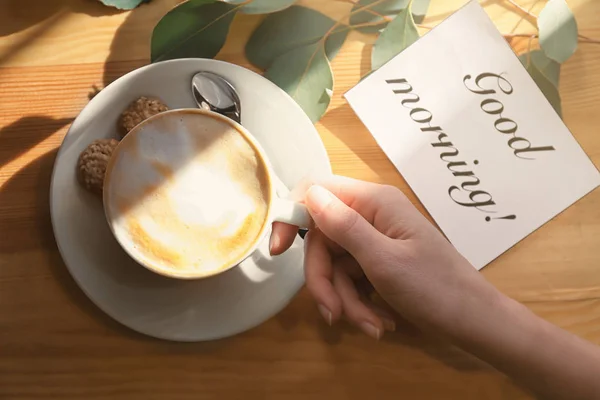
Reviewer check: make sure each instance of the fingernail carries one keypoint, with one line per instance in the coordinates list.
(371, 330)
(326, 314)
(389, 324)
(317, 198)
(273, 242)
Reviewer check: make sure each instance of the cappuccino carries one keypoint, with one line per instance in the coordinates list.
(189, 191)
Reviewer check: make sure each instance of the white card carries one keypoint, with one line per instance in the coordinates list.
(438, 110)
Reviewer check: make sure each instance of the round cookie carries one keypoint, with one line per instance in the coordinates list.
(92, 164)
(137, 111)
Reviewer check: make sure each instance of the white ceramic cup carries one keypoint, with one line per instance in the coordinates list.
(279, 209)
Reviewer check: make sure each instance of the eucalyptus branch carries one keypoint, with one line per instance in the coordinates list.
(370, 11)
(529, 48)
(323, 40)
(351, 13)
(523, 9)
(233, 10)
(585, 39)
(582, 38)
(384, 17)
(364, 25)
(514, 35)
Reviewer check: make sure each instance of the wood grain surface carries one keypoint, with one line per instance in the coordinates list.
(55, 344)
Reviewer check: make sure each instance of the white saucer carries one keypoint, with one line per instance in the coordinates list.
(162, 307)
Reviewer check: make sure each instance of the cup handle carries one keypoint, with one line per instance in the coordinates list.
(291, 212)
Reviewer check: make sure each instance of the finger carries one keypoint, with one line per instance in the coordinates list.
(354, 309)
(368, 198)
(282, 237)
(364, 290)
(387, 318)
(342, 224)
(364, 287)
(351, 267)
(378, 204)
(384, 206)
(318, 271)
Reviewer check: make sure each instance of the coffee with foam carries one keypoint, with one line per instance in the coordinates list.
(189, 191)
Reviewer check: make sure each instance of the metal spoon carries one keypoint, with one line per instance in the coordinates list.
(213, 92)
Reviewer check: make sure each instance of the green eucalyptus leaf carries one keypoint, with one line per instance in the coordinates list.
(305, 74)
(294, 27)
(263, 6)
(547, 66)
(419, 10)
(370, 11)
(123, 4)
(397, 35)
(196, 28)
(557, 30)
(545, 72)
(373, 9)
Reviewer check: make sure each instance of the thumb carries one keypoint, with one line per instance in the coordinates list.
(342, 224)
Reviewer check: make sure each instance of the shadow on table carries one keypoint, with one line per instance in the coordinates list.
(299, 312)
(26, 133)
(137, 28)
(407, 335)
(24, 200)
(26, 212)
(40, 17)
(15, 17)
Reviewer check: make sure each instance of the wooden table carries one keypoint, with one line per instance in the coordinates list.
(55, 344)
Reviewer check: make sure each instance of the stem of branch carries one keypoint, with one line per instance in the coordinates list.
(582, 38)
(351, 13)
(529, 49)
(384, 17)
(523, 9)
(514, 35)
(586, 39)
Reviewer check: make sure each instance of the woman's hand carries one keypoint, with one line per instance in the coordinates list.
(370, 234)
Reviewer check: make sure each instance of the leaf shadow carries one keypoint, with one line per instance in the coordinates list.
(365, 60)
(138, 28)
(130, 32)
(25, 133)
(24, 40)
(30, 23)
(16, 17)
(25, 195)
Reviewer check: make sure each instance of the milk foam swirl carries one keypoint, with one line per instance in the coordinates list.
(189, 191)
